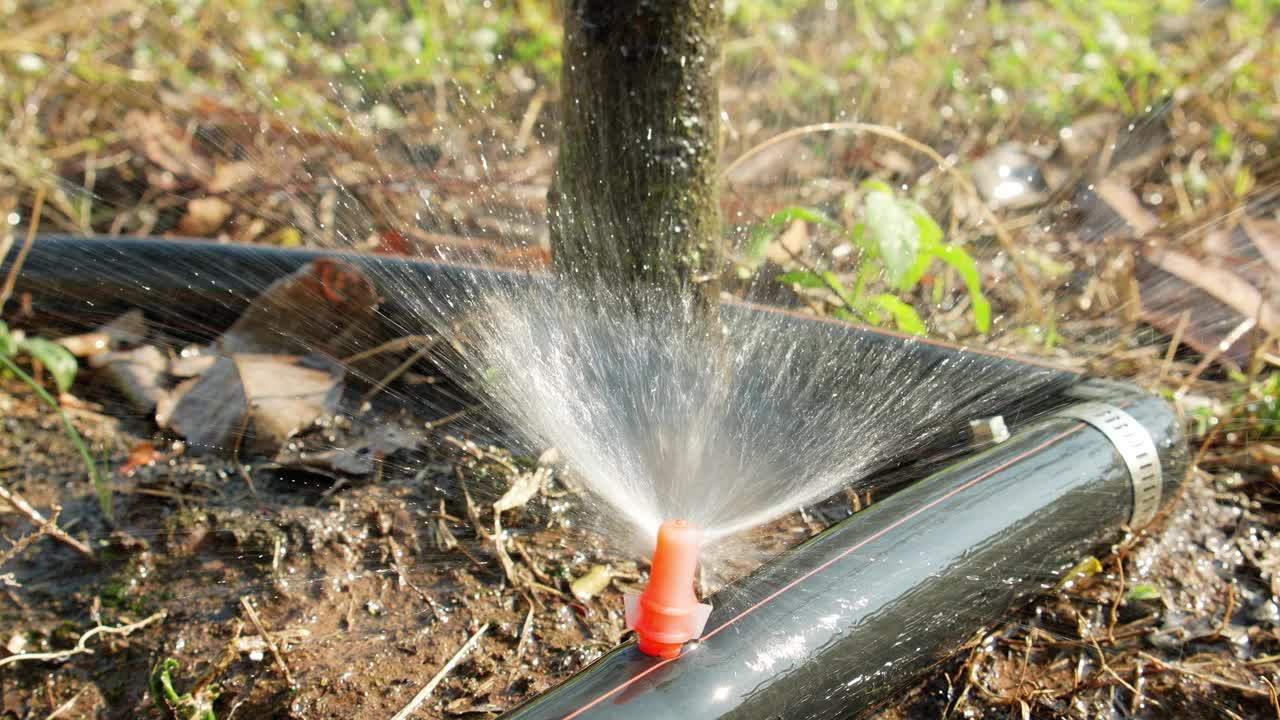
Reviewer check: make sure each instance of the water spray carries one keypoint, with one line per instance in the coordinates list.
(838, 625)
(667, 614)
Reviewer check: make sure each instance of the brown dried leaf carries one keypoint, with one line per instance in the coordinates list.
(192, 362)
(1167, 299)
(165, 145)
(204, 216)
(523, 489)
(271, 396)
(1231, 289)
(328, 306)
(793, 241)
(143, 453)
(137, 374)
(1125, 204)
(1265, 236)
(1084, 138)
(1246, 249)
(360, 456)
(231, 175)
(128, 329)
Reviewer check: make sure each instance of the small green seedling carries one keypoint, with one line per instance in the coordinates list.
(187, 706)
(1143, 592)
(1087, 567)
(61, 366)
(899, 243)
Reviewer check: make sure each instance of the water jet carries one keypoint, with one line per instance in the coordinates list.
(835, 626)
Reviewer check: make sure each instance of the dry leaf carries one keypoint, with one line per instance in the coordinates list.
(1265, 236)
(1084, 138)
(361, 455)
(523, 489)
(590, 585)
(272, 397)
(137, 374)
(128, 329)
(1112, 209)
(204, 216)
(143, 453)
(1226, 286)
(231, 175)
(327, 305)
(1166, 299)
(793, 241)
(192, 362)
(166, 145)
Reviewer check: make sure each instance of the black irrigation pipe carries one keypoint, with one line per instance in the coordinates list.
(835, 627)
(832, 628)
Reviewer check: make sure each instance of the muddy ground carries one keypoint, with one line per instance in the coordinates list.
(368, 586)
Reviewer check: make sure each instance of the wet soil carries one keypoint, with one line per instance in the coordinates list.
(356, 582)
(367, 586)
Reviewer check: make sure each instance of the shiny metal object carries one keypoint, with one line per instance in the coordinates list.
(989, 430)
(1136, 448)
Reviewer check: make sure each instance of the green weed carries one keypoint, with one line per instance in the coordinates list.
(61, 366)
(196, 705)
(899, 243)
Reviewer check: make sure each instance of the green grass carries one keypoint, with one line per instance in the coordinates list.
(61, 366)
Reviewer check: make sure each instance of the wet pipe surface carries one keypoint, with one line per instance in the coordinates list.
(835, 627)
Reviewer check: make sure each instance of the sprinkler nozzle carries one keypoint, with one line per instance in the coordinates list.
(667, 614)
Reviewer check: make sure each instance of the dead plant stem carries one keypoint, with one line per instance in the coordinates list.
(16, 268)
(266, 637)
(408, 710)
(81, 644)
(47, 527)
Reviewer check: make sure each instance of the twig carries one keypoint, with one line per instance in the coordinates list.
(235, 459)
(450, 418)
(12, 278)
(1001, 233)
(62, 709)
(1211, 679)
(25, 541)
(525, 134)
(1231, 339)
(1115, 606)
(393, 345)
(80, 647)
(398, 371)
(1173, 346)
(6, 230)
(1226, 614)
(1102, 659)
(408, 710)
(48, 527)
(1275, 701)
(266, 637)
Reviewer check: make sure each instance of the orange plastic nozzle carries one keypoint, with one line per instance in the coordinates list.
(667, 614)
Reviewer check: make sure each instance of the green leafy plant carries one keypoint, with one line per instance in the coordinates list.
(899, 243)
(1264, 405)
(194, 705)
(61, 366)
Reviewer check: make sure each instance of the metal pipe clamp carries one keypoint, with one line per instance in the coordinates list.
(1136, 448)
